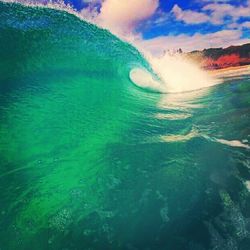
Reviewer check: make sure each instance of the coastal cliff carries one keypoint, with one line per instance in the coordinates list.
(219, 58)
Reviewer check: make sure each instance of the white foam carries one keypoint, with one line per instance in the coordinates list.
(248, 185)
(144, 79)
(180, 138)
(184, 102)
(57, 5)
(180, 74)
(173, 117)
(195, 133)
(233, 143)
(177, 74)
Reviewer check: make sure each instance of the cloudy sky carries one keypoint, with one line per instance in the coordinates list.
(171, 24)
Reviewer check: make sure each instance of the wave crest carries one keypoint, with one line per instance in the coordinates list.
(175, 73)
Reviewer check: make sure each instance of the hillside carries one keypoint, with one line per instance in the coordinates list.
(218, 58)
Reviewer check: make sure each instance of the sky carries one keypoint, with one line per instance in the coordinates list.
(160, 25)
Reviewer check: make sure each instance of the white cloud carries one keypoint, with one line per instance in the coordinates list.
(246, 25)
(219, 11)
(216, 1)
(198, 41)
(121, 17)
(92, 1)
(90, 13)
(214, 12)
(189, 16)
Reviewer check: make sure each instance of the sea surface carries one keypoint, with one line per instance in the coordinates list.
(89, 160)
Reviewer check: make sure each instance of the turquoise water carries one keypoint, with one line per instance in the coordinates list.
(88, 160)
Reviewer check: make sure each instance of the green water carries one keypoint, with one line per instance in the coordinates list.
(90, 161)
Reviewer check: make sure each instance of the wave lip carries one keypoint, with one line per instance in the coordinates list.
(143, 79)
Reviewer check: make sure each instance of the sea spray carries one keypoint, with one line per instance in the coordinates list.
(176, 73)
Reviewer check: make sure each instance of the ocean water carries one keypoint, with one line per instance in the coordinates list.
(90, 160)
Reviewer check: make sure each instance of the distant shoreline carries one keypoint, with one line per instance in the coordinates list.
(221, 58)
(231, 68)
(230, 71)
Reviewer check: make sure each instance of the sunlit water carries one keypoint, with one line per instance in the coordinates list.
(89, 160)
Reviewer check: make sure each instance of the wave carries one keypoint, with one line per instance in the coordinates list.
(61, 81)
(144, 79)
(176, 74)
(46, 43)
(162, 74)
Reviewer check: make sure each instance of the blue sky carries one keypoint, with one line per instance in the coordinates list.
(158, 25)
(180, 25)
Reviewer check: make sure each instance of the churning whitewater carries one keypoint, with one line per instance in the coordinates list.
(89, 160)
